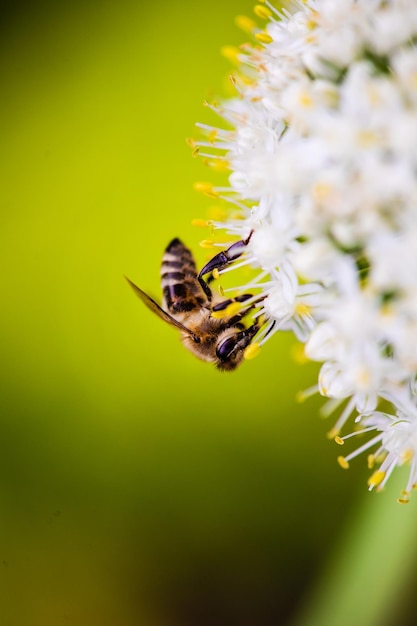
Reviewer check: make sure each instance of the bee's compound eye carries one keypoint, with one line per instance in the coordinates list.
(226, 347)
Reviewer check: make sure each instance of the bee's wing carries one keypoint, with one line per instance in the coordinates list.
(155, 308)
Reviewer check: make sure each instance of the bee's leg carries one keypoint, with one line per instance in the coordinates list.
(236, 319)
(221, 306)
(251, 331)
(221, 260)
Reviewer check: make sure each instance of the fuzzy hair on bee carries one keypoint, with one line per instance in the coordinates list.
(200, 315)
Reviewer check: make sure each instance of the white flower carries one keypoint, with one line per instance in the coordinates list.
(395, 444)
(323, 171)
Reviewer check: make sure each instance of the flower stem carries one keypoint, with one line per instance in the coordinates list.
(366, 579)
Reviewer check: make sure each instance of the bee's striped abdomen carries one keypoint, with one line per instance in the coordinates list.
(180, 287)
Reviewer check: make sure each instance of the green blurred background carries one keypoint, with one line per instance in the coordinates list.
(139, 486)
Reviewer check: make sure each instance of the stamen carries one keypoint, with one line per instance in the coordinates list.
(200, 223)
(263, 12)
(231, 53)
(365, 446)
(217, 163)
(376, 479)
(404, 497)
(272, 8)
(252, 351)
(303, 395)
(245, 23)
(343, 462)
(330, 406)
(358, 432)
(264, 38)
(206, 188)
(207, 244)
(345, 414)
(229, 311)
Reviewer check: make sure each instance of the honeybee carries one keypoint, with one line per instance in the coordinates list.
(190, 306)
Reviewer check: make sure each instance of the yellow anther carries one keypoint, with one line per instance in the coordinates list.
(233, 308)
(414, 486)
(342, 462)
(190, 142)
(219, 165)
(404, 497)
(298, 353)
(263, 38)
(199, 222)
(220, 290)
(237, 215)
(333, 433)
(202, 186)
(305, 99)
(245, 23)
(206, 188)
(252, 350)
(407, 455)
(231, 53)
(207, 244)
(305, 394)
(339, 440)
(302, 309)
(233, 80)
(216, 274)
(195, 152)
(300, 397)
(321, 191)
(212, 136)
(229, 311)
(311, 24)
(403, 500)
(376, 479)
(371, 461)
(217, 213)
(263, 12)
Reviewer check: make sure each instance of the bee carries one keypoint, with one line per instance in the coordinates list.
(201, 316)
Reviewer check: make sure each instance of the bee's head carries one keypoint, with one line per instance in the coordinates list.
(231, 347)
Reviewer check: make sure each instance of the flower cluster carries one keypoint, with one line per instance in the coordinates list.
(321, 143)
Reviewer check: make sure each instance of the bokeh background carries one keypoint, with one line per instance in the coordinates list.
(139, 486)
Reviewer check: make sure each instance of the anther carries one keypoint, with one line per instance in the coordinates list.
(245, 23)
(263, 38)
(376, 479)
(263, 12)
(229, 311)
(342, 462)
(231, 53)
(339, 441)
(333, 433)
(207, 244)
(199, 222)
(404, 497)
(252, 351)
(206, 188)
